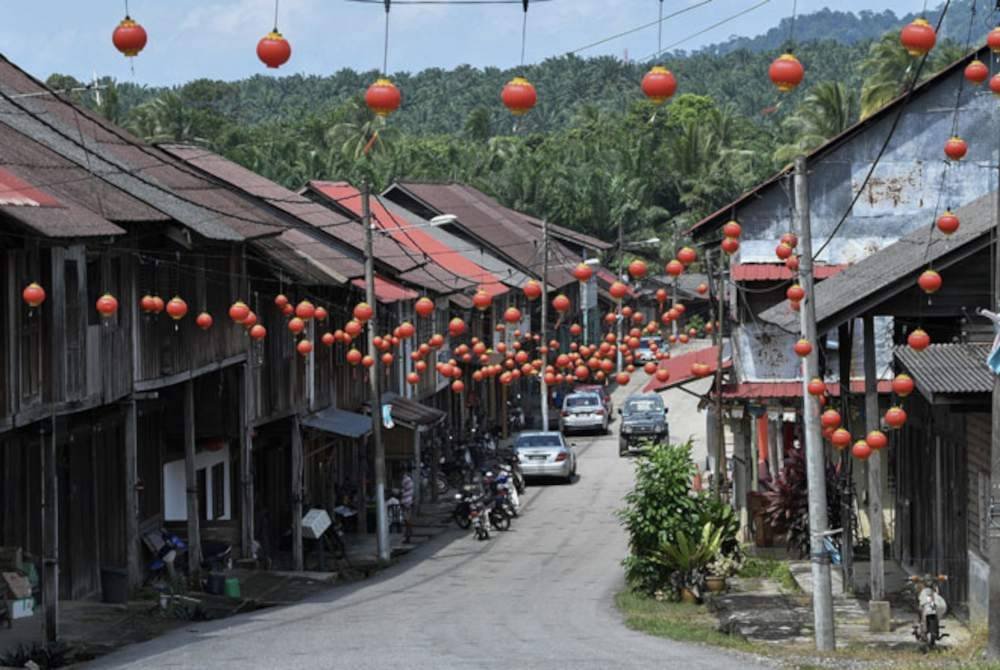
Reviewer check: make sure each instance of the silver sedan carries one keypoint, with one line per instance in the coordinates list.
(545, 454)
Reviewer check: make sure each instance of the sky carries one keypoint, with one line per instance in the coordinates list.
(216, 39)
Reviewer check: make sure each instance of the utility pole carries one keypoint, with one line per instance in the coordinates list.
(878, 608)
(542, 386)
(720, 441)
(993, 643)
(815, 463)
(381, 523)
(620, 320)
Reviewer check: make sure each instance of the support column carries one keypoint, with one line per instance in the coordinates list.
(845, 344)
(297, 468)
(133, 551)
(879, 614)
(246, 461)
(743, 468)
(417, 471)
(191, 480)
(50, 533)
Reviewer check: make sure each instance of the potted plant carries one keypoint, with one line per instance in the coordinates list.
(688, 561)
(719, 570)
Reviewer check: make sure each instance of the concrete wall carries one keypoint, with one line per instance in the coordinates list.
(912, 182)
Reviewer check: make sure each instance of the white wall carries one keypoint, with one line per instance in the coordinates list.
(175, 485)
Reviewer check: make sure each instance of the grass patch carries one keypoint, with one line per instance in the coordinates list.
(675, 621)
(769, 568)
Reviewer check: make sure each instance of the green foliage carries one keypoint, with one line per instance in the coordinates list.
(719, 514)
(687, 560)
(769, 568)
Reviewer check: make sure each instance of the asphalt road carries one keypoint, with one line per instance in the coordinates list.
(538, 596)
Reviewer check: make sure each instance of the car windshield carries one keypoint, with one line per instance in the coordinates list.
(642, 405)
(539, 441)
(582, 401)
(646, 341)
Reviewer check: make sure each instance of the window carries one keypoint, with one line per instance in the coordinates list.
(214, 494)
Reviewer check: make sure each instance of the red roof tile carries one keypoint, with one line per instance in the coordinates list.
(680, 368)
(387, 291)
(777, 271)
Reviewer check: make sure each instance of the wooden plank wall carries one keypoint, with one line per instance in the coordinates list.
(978, 439)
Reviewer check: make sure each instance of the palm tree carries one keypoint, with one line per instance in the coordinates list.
(827, 110)
(165, 119)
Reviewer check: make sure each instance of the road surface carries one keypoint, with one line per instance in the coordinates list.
(539, 596)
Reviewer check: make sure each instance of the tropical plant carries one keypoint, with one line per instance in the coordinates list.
(659, 508)
(687, 560)
(828, 110)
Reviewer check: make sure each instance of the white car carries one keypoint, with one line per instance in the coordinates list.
(545, 454)
(646, 353)
(583, 411)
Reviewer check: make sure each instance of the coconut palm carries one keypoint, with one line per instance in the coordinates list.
(827, 110)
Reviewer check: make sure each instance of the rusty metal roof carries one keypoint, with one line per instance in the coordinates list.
(777, 271)
(717, 218)
(883, 275)
(948, 369)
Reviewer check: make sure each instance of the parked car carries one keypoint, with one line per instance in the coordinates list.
(545, 454)
(646, 352)
(601, 390)
(644, 417)
(583, 411)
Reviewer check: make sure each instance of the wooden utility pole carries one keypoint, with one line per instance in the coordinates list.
(878, 610)
(717, 292)
(298, 561)
(50, 532)
(543, 387)
(993, 646)
(815, 461)
(381, 522)
(845, 341)
(191, 482)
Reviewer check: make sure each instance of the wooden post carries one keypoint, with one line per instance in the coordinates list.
(191, 481)
(417, 489)
(246, 413)
(297, 559)
(132, 547)
(879, 619)
(50, 533)
(845, 341)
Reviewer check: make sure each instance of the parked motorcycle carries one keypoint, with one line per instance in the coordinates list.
(931, 608)
(515, 414)
(506, 485)
(479, 519)
(464, 501)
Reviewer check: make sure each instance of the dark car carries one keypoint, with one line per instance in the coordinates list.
(644, 419)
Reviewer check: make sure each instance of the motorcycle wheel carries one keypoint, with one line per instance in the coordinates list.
(500, 520)
(933, 631)
(462, 520)
(442, 484)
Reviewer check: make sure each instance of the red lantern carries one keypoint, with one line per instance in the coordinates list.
(687, 256)
(532, 290)
(107, 305)
(512, 315)
(177, 308)
(354, 357)
(795, 293)
(33, 295)
(817, 387)
(367, 361)
(918, 38)
(437, 340)
(458, 386)
(995, 84)
(732, 229)
(280, 300)
(353, 328)
(649, 368)
(296, 325)
(830, 419)
(786, 72)
(803, 348)
(929, 281)
(918, 340)
(790, 239)
(258, 332)
(702, 288)
(304, 347)
(575, 330)
(895, 417)
(387, 359)
(456, 327)
(659, 84)
(784, 251)
(877, 440)
(582, 372)
(561, 303)
(622, 378)
(129, 37)
(947, 223)
(362, 312)
(321, 314)
(273, 49)
(674, 268)
(792, 263)
(861, 450)
(148, 304)
(730, 245)
(637, 269)
(239, 311)
(328, 339)
(902, 385)
(662, 375)
(977, 72)
(699, 369)
(661, 295)
(840, 438)
(204, 321)
(250, 320)
(424, 307)
(482, 300)
(382, 97)
(956, 148)
(288, 310)
(618, 290)
(406, 330)
(519, 96)
(413, 378)
(583, 273)
(993, 40)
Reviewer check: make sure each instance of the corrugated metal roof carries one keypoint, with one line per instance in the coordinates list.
(790, 389)
(884, 274)
(777, 271)
(504, 231)
(720, 216)
(948, 368)
(339, 422)
(151, 175)
(288, 252)
(410, 412)
(387, 291)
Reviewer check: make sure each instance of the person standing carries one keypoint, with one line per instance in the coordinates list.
(406, 500)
